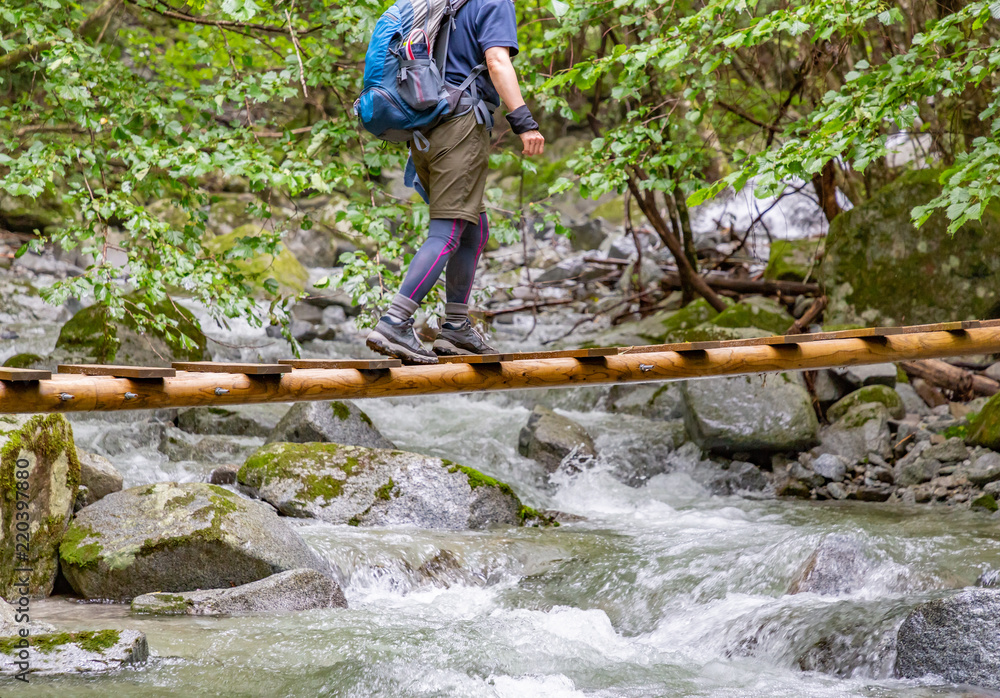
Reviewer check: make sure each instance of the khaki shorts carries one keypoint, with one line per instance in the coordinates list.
(453, 169)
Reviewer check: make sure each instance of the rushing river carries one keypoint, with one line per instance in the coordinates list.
(663, 590)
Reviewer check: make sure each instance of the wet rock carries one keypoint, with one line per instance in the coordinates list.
(648, 400)
(750, 414)
(294, 590)
(871, 374)
(548, 438)
(444, 570)
(339, 422)
(862, 430)
(831, 467)
(241, 421)
(588, 235)
(837, 490)
(870, 393)
(955, 638)
(37, 458)
(790, 487)
(98, 479)
(737, 477)
(989, 579)
(224, 474)
(89, 651)
(838, 566)
(985, 469)
(377, 487)
(10, 626)
(873, 492)
(178, 445)
(177, 537)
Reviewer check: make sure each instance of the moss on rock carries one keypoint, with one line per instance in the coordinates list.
(870, 393)
(92, 335)
(23, 360)
(984, 426)
(791, 260)
(879, 269)
(284, 268)
(758, 312)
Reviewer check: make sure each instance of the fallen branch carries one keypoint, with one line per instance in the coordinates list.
(761, 286)
(532, 307)
(943, 375)
(808, 317)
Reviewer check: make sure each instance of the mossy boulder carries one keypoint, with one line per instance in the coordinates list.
(294, 590)
(750, 414)
(870, 393)
(339, 421)
(39, 475)
(87, 651)
(792, 260)
(758, 312)
(861, 431)
(93, 336)
(24, 360)
(177, 537)
(984, 427)
(283, 267)
(879, 269)
(378, 487)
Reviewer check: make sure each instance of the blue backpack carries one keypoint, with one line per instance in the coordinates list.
(405, 94)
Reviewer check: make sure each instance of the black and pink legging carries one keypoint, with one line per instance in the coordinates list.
(456, 243)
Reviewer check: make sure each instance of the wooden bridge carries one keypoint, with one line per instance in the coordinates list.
(80, 388)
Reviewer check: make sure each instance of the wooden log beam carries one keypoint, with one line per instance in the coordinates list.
(73, 393)
(943, 375)
(724, 282)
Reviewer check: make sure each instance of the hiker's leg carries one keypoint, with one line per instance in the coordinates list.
(427, 265)
(461, 270)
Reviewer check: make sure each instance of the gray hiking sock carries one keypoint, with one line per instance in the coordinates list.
(456, 313)
(401, 308)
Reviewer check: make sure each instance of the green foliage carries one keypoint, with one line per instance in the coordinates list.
(109, 106)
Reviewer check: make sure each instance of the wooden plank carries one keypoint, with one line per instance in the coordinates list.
(596, 352)
(118, 371)
(470, 359)
(23, 374)
(360, 364)
(247, 369)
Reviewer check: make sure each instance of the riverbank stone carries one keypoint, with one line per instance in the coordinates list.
(749, 414)
(955, 638)
(39, 476)
(339, 422)
(985, 469)
(549, 438)
(861, 431)
(72, 654)
(177, 537)
(984, 427)
(239, 421)
(869, 393)
(98, 479)
(294, 590)
(378, 487)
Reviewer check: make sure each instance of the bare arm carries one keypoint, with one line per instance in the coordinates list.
(505, 81)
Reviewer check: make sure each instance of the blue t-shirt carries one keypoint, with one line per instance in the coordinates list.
(479, 25)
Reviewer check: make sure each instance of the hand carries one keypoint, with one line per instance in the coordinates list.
(534, 143)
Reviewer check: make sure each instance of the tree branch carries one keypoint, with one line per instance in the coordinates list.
(31, 51)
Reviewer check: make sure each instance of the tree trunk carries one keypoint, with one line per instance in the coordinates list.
(824, 182)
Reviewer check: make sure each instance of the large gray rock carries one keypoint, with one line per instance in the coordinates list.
(10, 615)
(177, 537)
(838, 566)
(294, 590)
(916, 466)
(750, 413)
(863, 430)
(98, 479)
(38, 460)
(88, 651)
(651, 400)
(955, 638)
(870, 393)
(548, 438)
(735, 478)
(831, 467)
(377, 487)
(248, 420)
(338, 422)
(985, 469)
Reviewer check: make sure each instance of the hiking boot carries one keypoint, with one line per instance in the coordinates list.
(398, 340)
(460, 340)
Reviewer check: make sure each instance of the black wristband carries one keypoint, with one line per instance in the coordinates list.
(520, 120)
